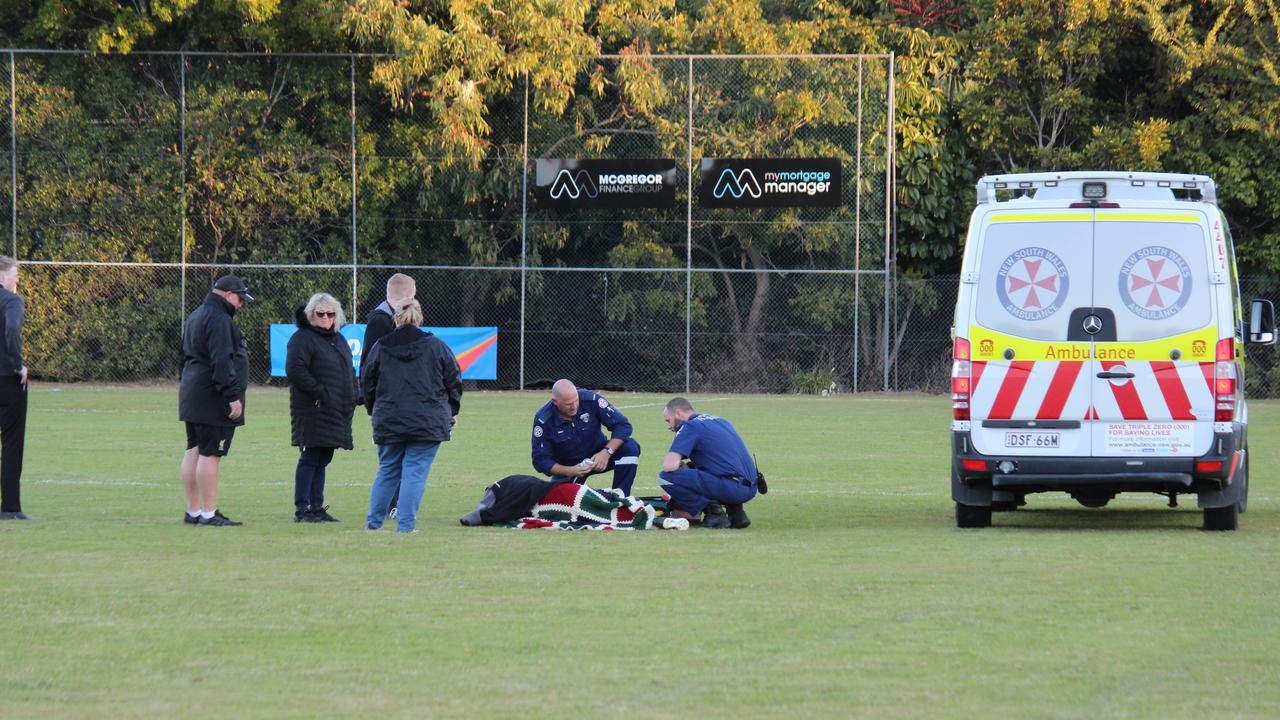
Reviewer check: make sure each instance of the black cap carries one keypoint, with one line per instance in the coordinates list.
(234, 284)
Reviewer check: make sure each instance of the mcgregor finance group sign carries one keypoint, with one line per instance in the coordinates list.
(579, 184)
(770, 182)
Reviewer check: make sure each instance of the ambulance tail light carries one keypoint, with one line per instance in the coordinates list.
(960, 380)
(1208, 467)
(1224, 381)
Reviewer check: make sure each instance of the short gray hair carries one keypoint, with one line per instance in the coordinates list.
(7, 264)
(325, 300)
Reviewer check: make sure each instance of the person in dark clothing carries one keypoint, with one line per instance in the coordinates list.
(413, 390)
(322, 399)
(381, 320)
(13, 392)
(720, 468)
(568, 441)
(215, 376)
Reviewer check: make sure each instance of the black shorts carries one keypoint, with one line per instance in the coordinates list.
(213, 440)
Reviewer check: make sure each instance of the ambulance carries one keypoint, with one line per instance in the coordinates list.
(1099, 345)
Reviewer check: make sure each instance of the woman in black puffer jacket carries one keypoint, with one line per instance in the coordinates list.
(322, 398)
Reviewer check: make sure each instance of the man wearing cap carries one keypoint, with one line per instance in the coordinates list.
(215, 376)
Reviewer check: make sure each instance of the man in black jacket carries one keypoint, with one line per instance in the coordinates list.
(13, 392)
(381, 320)
(215, 376)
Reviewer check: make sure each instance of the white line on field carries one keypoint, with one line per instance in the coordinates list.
(662, 404)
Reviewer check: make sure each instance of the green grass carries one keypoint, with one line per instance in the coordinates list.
(852, 594)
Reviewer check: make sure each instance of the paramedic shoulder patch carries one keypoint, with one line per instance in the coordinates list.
(1155, 283)
(1032, 283)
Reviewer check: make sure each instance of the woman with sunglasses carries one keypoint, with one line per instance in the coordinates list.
(322, 398)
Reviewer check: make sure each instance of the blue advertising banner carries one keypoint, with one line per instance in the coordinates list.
(476, 348)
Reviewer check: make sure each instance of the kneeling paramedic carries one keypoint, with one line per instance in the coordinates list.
(720, 468)
(568, 442)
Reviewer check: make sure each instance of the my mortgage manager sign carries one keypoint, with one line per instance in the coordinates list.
(770, 183)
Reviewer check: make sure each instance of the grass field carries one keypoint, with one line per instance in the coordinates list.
(851, 595)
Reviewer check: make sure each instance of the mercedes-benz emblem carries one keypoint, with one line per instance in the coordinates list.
(1092, 324)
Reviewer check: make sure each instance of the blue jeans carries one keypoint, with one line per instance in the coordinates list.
(308, 479)
(403, 467)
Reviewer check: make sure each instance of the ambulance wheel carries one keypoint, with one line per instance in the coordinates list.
(1222, 518)
(972, 516)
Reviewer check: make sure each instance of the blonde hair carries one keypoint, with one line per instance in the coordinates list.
(408, 312)
(400, 287)
(321, 300)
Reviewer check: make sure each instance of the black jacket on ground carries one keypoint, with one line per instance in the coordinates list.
(412, 387)
(322, 386)
(380, 321)
(511, 498)
(215, 368)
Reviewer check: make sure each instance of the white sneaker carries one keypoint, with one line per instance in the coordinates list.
(670, 523)
(391, 514)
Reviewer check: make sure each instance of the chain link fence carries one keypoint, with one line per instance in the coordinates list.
(136, 180)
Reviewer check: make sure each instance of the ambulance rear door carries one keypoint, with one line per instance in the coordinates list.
(1030, 392)
(1152, 372)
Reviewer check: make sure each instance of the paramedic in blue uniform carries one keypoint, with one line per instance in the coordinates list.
(568, 441)
(720, 468)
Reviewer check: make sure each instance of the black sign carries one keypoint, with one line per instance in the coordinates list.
(580, 184)
(758, 182)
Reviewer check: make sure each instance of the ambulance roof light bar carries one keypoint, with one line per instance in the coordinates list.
(1071, 186)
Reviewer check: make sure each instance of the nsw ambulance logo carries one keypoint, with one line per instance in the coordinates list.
(1032, 283)
(1155, 283)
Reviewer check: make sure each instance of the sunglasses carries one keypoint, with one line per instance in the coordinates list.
(321, 313)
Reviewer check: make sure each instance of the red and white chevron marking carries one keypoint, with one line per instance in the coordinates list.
(1060, 389)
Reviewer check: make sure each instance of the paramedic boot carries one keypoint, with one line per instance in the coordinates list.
(714, 517)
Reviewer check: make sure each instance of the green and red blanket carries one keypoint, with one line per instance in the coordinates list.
(578, 507)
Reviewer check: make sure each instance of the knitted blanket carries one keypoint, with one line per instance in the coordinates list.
(578, 507)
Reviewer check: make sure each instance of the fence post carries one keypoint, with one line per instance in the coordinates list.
(13, 153)
(688, 246)
(182, 160)
(355, 257)
(889, 245)
(524, 220)
(857, 236)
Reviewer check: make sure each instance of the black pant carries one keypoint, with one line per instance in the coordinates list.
(13, 431)
(308, 480)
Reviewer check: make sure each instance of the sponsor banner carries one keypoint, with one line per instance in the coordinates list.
(577, 184)
(476, 348)
(760, 182)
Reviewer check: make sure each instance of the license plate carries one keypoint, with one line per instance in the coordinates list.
(1032, 439)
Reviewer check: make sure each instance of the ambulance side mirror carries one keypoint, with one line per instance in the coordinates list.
(1262, 322)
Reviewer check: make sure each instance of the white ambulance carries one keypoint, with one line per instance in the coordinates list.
(1099, 345)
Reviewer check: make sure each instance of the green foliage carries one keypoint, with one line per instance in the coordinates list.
(817, 381)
